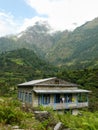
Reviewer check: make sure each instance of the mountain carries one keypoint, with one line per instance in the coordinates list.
(78, 49)
(73, 50)
(38, 38)
(22, 65)
(28, 55)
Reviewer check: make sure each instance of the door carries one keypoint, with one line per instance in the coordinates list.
(57, 98)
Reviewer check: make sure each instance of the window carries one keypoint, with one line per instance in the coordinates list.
(30, 98)
(68, 97)
(44, 99)
(26, 97)
(20, 95)
(82, 97)
(65, 96)
(56, 81)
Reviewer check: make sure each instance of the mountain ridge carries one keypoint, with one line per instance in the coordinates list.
(81, 44)
(76, 49)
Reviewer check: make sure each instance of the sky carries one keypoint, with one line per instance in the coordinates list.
(17, 15)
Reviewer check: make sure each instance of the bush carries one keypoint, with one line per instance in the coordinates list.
(10, 112)
(87, 121)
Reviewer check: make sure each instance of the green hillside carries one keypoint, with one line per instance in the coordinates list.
(22, 65)
(77, 49)
(7, 44)
(87, 78)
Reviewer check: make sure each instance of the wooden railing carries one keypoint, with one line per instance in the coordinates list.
(59, 106)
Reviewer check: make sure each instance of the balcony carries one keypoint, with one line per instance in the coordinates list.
(71, 105)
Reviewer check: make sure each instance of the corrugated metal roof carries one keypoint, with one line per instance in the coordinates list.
(33, 82)
(38, 83)
(62, 91)
(59, 85)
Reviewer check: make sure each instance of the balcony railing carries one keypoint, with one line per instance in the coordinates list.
(59, 106)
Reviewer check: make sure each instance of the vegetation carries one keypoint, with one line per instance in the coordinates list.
(19, 66)
(75, 50)
(11, 114)
(24, 65)
(23, 58)
(87, 78)
(84, 121)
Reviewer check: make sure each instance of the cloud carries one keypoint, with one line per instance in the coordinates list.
(60, 14)
(7, 24)
(63, 13)
(30, 22)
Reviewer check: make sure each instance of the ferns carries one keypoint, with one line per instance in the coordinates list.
(10, 113)
(87, 121)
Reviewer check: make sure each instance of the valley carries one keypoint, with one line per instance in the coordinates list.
(37, 53)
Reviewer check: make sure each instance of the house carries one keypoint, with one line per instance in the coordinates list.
(53, 92)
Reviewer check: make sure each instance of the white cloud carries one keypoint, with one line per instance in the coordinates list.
(63, 13)
(7, 24)
(30, 22)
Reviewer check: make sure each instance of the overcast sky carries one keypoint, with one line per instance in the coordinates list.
(17, 15)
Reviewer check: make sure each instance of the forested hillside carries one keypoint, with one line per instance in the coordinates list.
(21, 65)
(48, 65)
(77, 49)
(24, 65)
(87, 78)
(74, 53)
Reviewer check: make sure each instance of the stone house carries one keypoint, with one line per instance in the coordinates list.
(53, 92)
